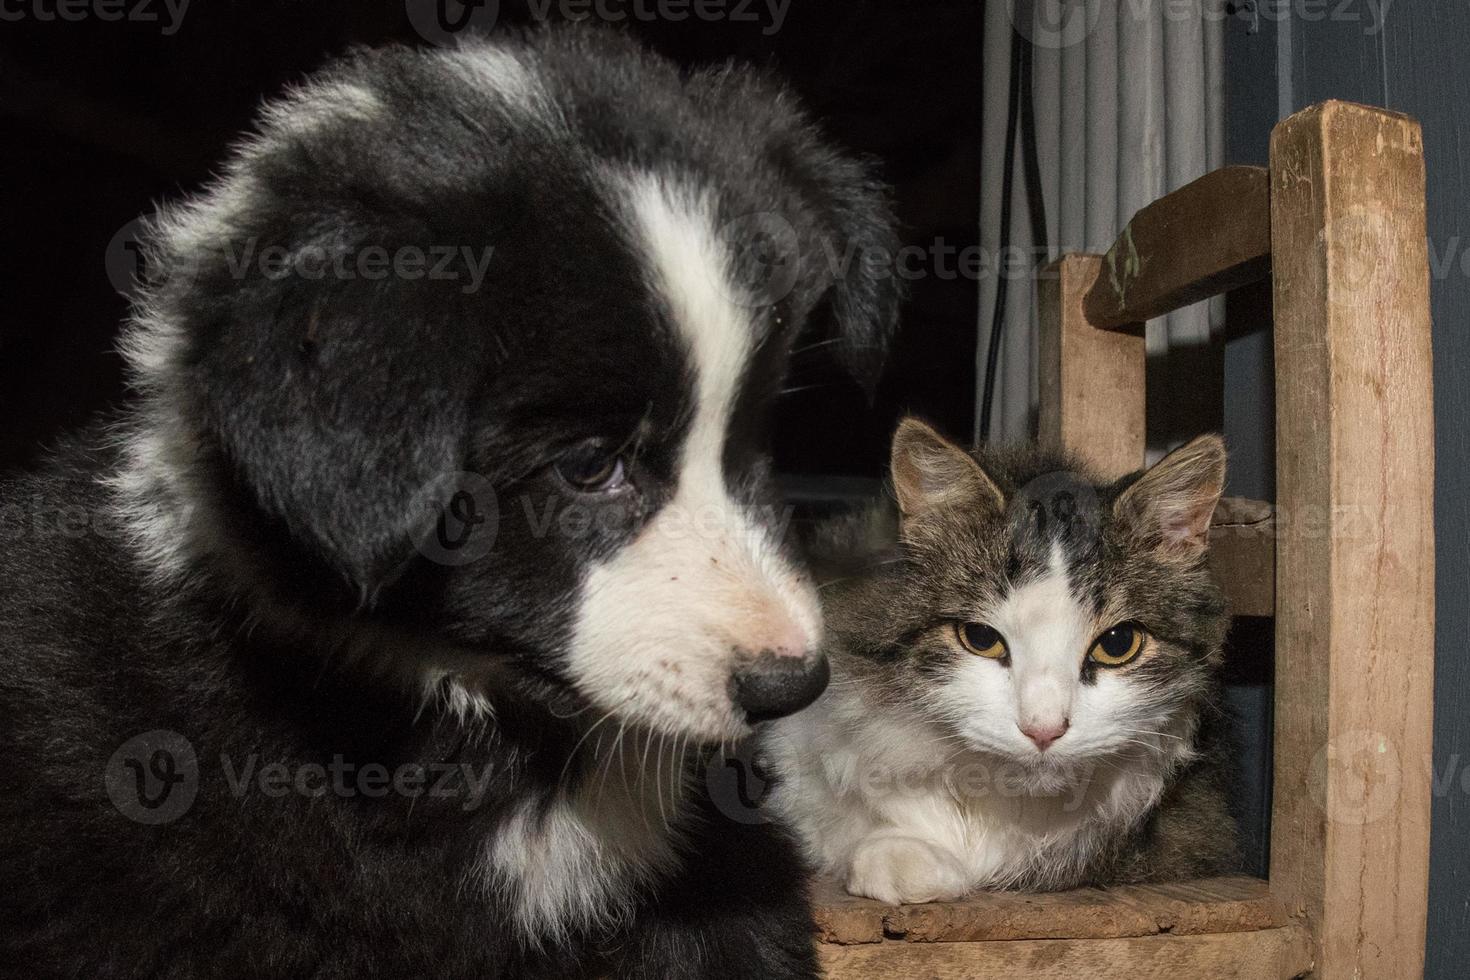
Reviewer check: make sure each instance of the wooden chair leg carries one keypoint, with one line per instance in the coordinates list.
(1355, 544)
(1091, 380)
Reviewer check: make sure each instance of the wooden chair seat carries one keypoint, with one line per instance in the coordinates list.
(1218, 927)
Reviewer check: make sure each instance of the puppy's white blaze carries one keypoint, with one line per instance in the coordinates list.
(659, 623)
(1048, 631)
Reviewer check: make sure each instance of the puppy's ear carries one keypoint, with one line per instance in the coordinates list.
(930, 472)
(858, 251)
(341, 418)
(866, 290)
(1168, 509)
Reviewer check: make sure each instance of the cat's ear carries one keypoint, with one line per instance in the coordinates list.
(930, 472)
(1170, 506)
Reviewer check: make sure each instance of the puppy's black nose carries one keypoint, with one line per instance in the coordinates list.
(772, 685)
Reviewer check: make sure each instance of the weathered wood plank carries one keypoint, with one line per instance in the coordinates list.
(1091, 381)
(1243, 555)
(1204, 239)
(1230, 904)
(1355, 590)
(1267, 954)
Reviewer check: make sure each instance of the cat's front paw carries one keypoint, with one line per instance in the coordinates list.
(905, 871)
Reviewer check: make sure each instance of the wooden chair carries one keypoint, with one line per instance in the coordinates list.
(1344, 562)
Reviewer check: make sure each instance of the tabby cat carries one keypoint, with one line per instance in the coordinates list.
(1025, 682)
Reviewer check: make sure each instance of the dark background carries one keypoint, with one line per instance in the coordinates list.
(101, 120)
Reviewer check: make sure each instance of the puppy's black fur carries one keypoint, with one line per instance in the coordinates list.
(237, 559)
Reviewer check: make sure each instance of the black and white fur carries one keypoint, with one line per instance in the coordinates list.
(249, 575)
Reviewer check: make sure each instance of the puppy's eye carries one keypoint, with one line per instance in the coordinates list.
(1118, 645)
(982, 640)
(592, 469)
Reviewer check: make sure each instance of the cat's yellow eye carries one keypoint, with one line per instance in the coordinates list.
(981, 640)
(1118, 645)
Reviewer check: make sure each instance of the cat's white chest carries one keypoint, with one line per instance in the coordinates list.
(885, 808)
(935, 846)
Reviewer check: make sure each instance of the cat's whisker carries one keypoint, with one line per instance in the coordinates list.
(615, 754)
(658, 783)
(571, 756)
(623, 764)
(818, 344)
(1153, 749)
(1141, 731)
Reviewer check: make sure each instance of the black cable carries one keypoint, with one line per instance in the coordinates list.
(992, 354)
(1020, 115)
(1031, 156)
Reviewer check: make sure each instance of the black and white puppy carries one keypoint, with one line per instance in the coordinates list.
(375, 638)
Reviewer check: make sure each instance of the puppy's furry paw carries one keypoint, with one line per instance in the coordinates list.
(905, 871)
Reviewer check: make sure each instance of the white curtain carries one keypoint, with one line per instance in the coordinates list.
(1129, 105)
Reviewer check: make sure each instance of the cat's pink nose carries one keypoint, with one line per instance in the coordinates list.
(1042, 735)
